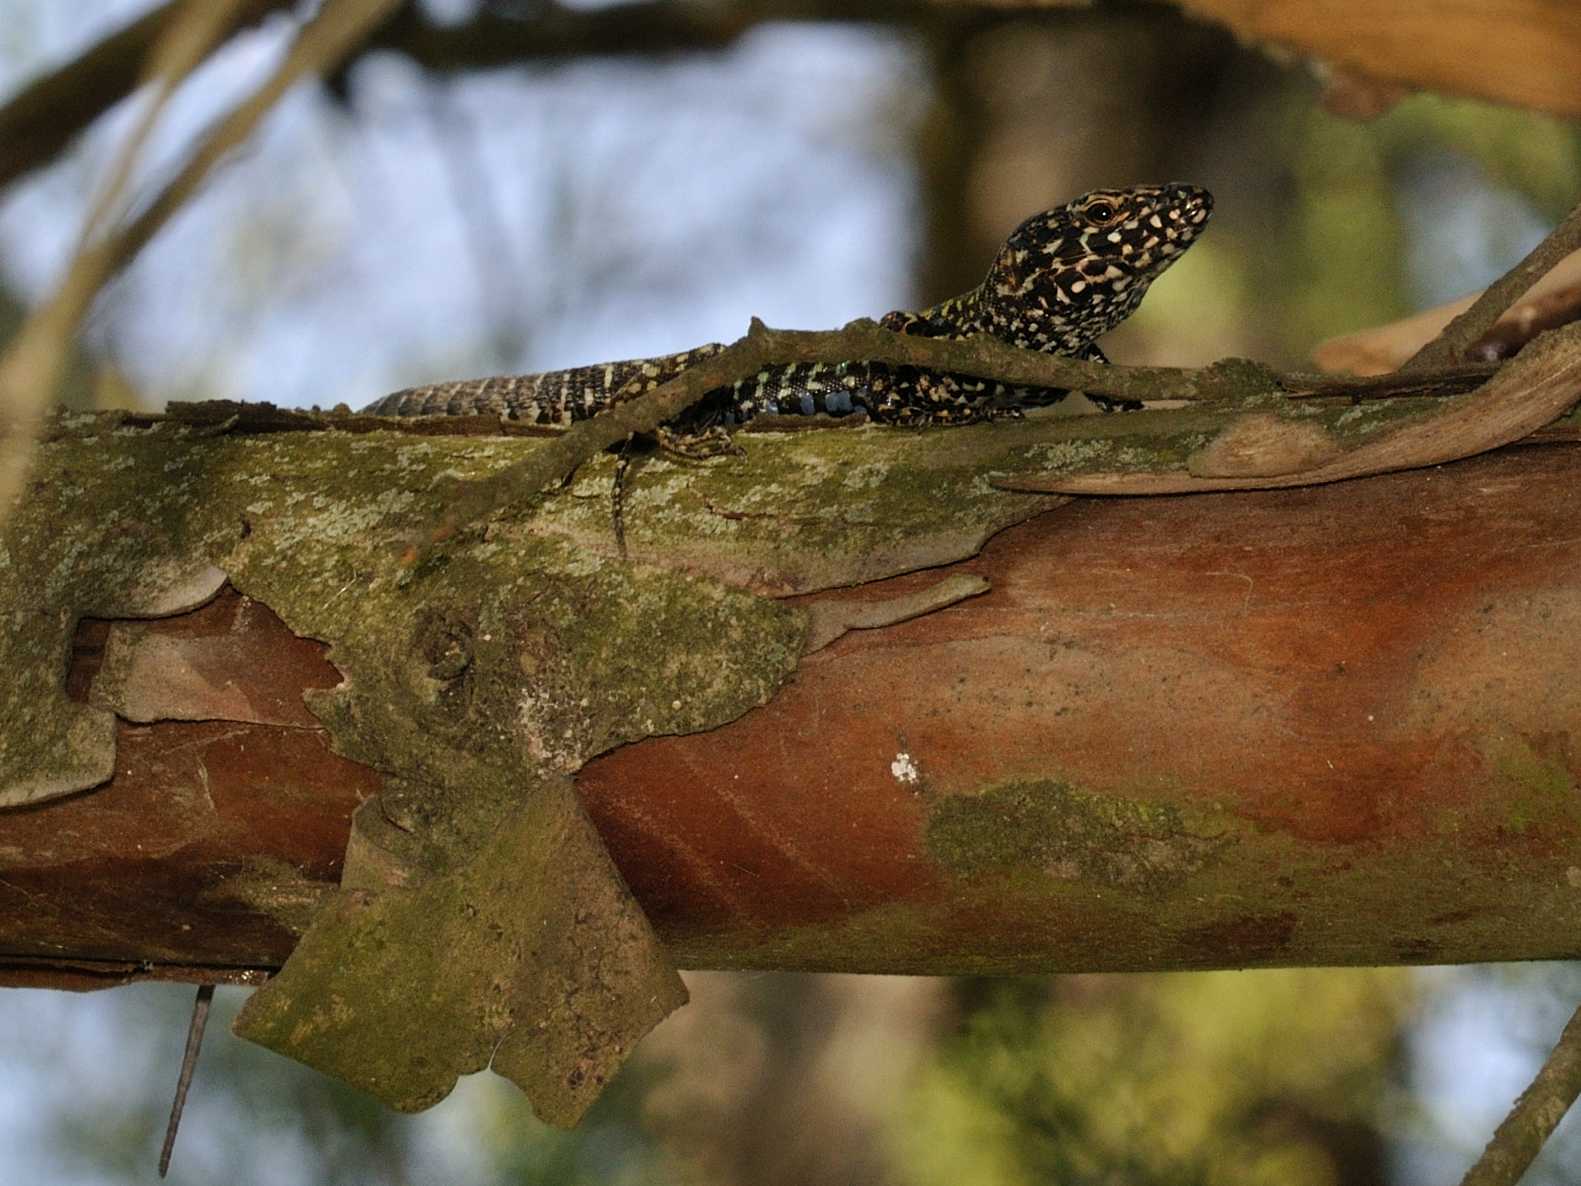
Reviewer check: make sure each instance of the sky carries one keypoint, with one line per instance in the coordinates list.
(346, 253)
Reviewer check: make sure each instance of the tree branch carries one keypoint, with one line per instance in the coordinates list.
(1228, 382)
(338, 29)
(31, 364)
(1458, 338)
(984, 820)
(554, 32)
(1520, 1138)
(42, 119)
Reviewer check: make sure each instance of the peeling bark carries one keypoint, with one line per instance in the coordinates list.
(1329, 725)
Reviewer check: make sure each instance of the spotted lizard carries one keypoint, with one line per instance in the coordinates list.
(1063, 278)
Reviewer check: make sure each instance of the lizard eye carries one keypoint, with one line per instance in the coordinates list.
(1101, 212)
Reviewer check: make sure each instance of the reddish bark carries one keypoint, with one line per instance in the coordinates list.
(1305, 726)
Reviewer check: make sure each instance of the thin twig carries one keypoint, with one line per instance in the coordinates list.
(1229, 380)
(189, 1062)
(1460, 335)
(1538, 1111)
(633, 28)
(1539, 310)
(617, 497)
(338, 29)
(1439, 381)
(198, 28)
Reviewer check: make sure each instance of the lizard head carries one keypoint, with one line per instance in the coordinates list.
(1070, 274)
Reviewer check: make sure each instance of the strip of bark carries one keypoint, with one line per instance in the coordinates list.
(834, 617)
(1538, 386)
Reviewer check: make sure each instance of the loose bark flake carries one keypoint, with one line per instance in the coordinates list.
(479, 921)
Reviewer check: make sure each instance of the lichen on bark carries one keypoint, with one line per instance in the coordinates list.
(479, 917)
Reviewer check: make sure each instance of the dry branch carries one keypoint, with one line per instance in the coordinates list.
(1553, 301)
(1538, 1111)
(1460, 335)
(39, 121)
(554, 32)
(32, 362)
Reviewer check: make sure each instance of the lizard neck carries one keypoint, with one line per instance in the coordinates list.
(1032, 323)
(959, 317)
(1020, 320)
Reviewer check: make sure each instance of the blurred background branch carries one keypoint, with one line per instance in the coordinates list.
(34, 360)
(39, 121)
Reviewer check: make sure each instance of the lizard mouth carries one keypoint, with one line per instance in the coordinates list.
(1190, 203)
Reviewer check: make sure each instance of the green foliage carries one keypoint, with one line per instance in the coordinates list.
(1538, 156)
(1248, 1078)
(1328, 225)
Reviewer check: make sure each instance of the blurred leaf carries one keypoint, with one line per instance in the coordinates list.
(1257, 1077)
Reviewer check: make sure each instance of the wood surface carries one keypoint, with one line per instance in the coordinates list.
(1328, 725)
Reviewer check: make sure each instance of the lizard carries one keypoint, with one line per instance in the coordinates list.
(1062, 279)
